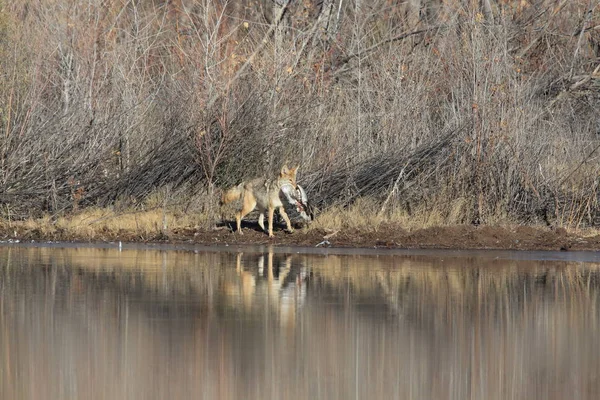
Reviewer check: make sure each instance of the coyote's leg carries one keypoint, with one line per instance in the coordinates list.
(238, 262)
(271, 211)
(261, 221)
(247, 206)
(287, 219)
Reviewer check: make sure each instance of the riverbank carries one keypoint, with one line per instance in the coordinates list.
(393, 236)
(149, 227)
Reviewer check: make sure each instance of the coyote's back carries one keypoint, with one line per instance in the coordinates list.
(232, 194)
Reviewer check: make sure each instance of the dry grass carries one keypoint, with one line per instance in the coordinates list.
(366, 214)
(103, 224)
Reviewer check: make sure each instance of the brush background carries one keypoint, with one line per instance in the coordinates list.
(470, 111)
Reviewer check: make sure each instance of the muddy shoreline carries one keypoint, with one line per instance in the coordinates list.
(461, 237)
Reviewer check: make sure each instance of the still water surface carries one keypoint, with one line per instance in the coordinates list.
(253, 323)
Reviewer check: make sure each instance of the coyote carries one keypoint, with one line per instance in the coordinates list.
(266, 195)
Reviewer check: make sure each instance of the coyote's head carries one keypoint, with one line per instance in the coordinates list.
(289, 175)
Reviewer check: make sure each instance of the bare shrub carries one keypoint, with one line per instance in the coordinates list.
(110, 103)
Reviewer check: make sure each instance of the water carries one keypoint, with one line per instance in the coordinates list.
(168, 323)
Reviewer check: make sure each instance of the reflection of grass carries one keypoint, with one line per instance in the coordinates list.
(434, 280)
(464, 325)
(425, 290)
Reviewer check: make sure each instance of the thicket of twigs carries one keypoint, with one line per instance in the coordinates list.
(493, 105)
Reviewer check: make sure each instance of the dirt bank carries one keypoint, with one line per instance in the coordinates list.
(452, 237)
(385, 236)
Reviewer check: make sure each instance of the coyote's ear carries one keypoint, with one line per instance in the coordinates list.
(285, 170)
(295, 169)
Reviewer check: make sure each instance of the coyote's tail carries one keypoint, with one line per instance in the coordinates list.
(233, 194)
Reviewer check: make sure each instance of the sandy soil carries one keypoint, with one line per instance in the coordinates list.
(389, 236)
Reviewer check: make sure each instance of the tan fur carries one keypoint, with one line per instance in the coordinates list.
(263, 194)
(232, 194)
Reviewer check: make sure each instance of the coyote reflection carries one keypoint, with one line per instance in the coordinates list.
(278, 279)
